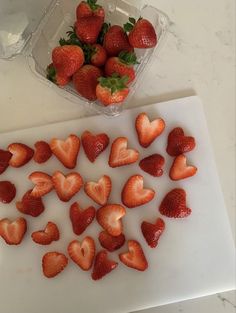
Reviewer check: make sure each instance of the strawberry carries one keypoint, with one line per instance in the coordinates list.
(66, 151)
(21, 154)
(67, 186)
(102, 265)
(178, 143)
(112, 89)
(94, 145)
(67, 59)
(153, 165)
(81, 219)
(180, 169)
(53, 263)
(42, 152)
(57, 78)
(43, 184)
(7, 191)
(116, 40)
(141, 33)
(46, 236)
(109, 217)
(148, 131)
(95, 54)
(13, 231)
(88, 28)
(82, 253)
(152, 232)
(30, 205)
(133, 193)
(135, 257)
(85, 81)
(5, 157)
(109, 242)
(174, 204)
(99, 191)
(89, 8)
(123, 65)
(120, 155)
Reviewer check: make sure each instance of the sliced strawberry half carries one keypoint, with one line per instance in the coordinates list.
(152, 232)
(7, 191)
(120, 155)
(5, 157)
(21, 154)
(30, 205)
(109, 217)
(43, 184)
(81, 219)
(53, 263)
(94, 145)
(178, 143)
(46, 236)
(66, 151)
(148, 131)
(100, 191)
(42, 152)
(67, 186)
(174, 204)
(13, 231)
(153, 165)
(133, 193)
(102, 265)
(82, 253)
(111, 243)
(135, 257)
(180, 169)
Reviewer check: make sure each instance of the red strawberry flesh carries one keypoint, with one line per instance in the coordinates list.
(7, 191)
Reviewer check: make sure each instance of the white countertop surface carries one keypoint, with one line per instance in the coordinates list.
(197, 58)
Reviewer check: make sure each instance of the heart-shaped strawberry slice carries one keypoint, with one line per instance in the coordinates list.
(7, 191)
(94, 145)
(100, 191)
(53, 263)
(13, 231)
(81, 219)
(152, 232)
(67, 186)
(30, 205)
(42, 152)
(102, 265)
(111, 243)
(153, 165)
(21, 154)
(5, 157)
(133, 193)
(43, 184)
(46, 236)
(135, 257)
(148, 131)
(178, 143)
(180, 169)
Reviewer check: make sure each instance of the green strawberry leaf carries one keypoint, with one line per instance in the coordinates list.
(128, 27)
(114, 83)
(104, 30)
(93, 5)
(51, 73)
(132, 20)
(128, 58)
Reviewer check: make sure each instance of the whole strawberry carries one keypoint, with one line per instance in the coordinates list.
(112, 89)
(95, 54)
(88, 28)
(67, 59)
(116, 40)
(85, 81)
(89, 8)
(123, 65)
(54, 77)
(141, 33)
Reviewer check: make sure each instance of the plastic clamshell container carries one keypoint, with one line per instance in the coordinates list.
(57, 17)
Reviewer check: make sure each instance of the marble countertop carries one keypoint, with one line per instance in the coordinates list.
(198, 57)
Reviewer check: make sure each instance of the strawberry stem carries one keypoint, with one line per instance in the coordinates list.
(114, 82)
(93, 5)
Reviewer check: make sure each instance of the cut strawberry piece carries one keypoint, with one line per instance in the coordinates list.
(66, 151)
(46, 236)
(133, 193)
(102, 265)
(7, 191)
(81, 219)
(109, 217)
(30, 205)
(180, 169)
(82, 253)
(100, 191)
(111, 243)
(13, 231)
(174, 204)
(53, 263)
(5, 157)
(67, 186)
(153, 165)
(21, 154)
(178, 143)
(120, 155)
(152, 232)
(94, 145)
(148, 131)
(135, 257)
(42, 152)
(43, 184)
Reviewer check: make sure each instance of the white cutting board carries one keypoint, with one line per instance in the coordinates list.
(195, 256)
